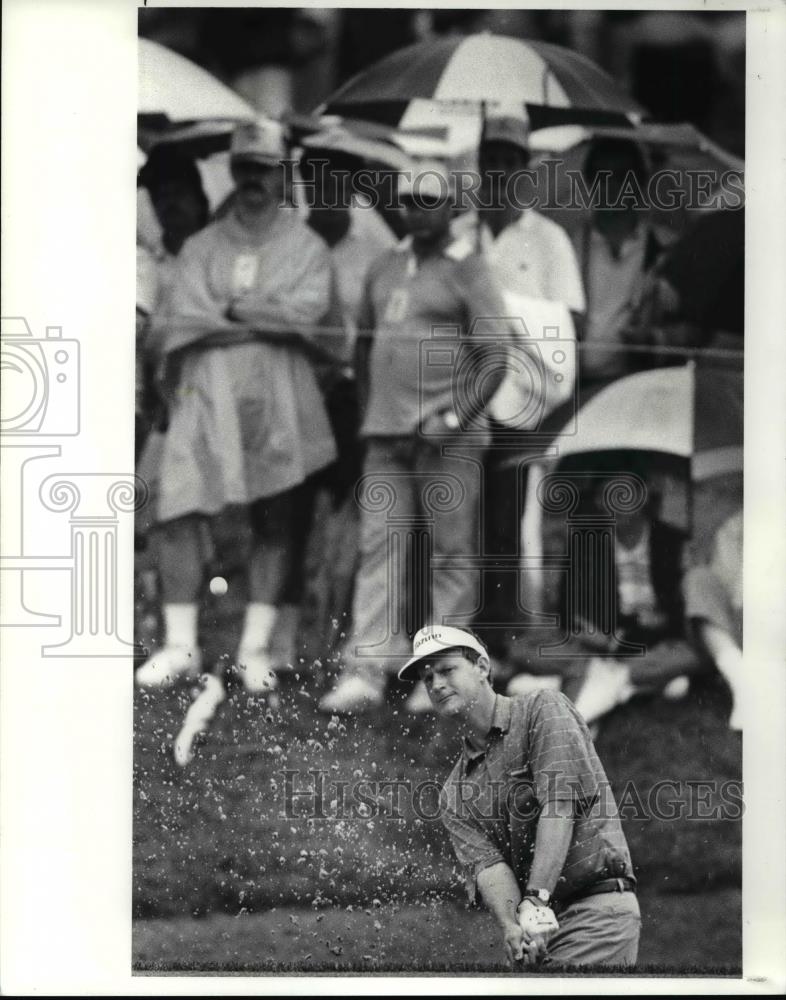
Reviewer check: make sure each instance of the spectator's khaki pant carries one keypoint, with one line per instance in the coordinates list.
(598, 930)
(412, 497)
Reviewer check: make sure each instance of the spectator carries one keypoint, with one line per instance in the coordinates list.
(356, 236)
(248, 426)
(532, 258)
(354, 231)
(649, 611)
(618, 247)
(713, 603)
(174, 184)
(695, 295)
(146, 297)
(170, 184)
(408, 416)
(531, 255)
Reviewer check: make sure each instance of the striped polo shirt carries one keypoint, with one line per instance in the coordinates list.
(538, 751)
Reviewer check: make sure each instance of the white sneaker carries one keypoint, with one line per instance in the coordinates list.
(730, 665)
(735, 719)
(284, 640)
(418, 702)
(198, 718)
(256, 671)
(606, 685)
(524, 683)
(168, 665)
(677, 688)
(353, 695)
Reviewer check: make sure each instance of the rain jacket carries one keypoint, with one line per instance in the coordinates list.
(248, 420)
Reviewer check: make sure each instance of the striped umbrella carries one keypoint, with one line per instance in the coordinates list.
(553, 85)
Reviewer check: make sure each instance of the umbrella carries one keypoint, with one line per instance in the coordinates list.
(553, 85)
(183, 106)
(667, 137)
(339, 139)
(693, 411)
(175, 90)
(559, 154)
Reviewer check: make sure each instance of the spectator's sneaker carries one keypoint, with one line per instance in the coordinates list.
(735, 719)
(605, 686)
(169, 665)
(284, 640)
(677, 688)
(524, 683)
(256, 670)
(353, 695)
(418, 702)
(198, 718)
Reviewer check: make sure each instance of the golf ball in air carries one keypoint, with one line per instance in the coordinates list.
(218, 586)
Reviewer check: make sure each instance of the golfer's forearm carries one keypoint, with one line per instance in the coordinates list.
(552, 841)
(500, 892)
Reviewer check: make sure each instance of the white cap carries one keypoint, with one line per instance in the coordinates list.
(426, 179)
(262, 141)
(435, 639)
(506, 128)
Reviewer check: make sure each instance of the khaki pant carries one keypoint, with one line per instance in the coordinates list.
(598, 930)
(412, 497)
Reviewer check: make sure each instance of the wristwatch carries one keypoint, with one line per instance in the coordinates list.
(541, 895)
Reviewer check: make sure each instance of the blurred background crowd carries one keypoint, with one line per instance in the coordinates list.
(279, 369)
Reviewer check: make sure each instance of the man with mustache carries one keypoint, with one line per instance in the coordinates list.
(530, 812)
(424, 371)
(248, 426)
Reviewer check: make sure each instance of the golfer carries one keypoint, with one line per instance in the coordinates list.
(530, 812)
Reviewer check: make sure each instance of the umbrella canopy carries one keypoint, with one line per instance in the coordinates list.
(553, 85)
(174, 89)
(560, 153)
(693, 411)
(339, 139)
(183, 106)
(668, 137)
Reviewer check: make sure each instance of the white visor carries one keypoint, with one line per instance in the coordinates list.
(435, 639)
